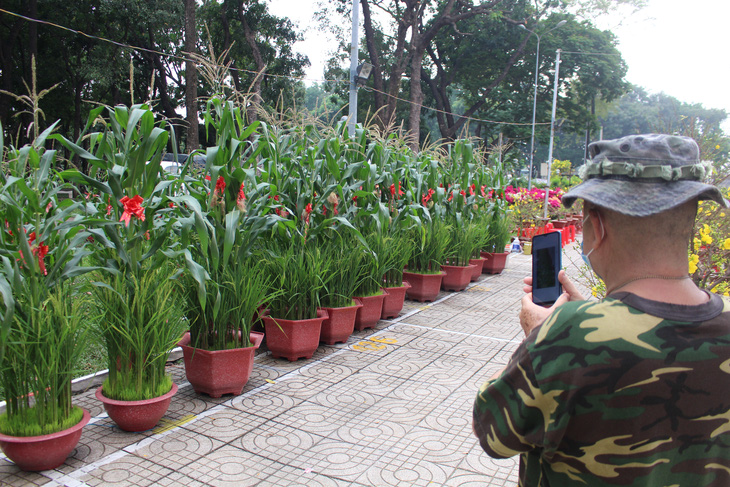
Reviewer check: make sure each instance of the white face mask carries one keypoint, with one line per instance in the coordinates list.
(586, 257)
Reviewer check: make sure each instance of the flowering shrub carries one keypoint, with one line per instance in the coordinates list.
(528, 204)
(710, 248)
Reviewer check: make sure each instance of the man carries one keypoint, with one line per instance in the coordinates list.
(634, 389)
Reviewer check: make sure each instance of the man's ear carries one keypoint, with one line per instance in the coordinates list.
(599, 227)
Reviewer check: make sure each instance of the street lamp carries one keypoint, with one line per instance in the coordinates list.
(534, 96)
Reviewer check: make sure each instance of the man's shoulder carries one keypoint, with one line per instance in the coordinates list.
(574, 313)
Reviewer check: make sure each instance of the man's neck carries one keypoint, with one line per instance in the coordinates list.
(674, 289)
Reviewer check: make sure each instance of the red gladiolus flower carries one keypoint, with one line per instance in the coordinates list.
(132, 206)
(220, 185)
(307, 213)
(31, 237)
(49, 206)
(472, 189)
(207, 178)
(451, 196)
(241, 201)
(392, 190)
(40, 251)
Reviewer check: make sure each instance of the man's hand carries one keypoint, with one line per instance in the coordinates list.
(532, 315)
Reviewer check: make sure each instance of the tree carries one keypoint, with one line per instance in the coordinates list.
(259, 49)
(191, 77)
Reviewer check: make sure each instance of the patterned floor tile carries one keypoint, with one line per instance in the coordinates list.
(326, 370)
(465, 478)
(183, 448)
(300, 386)
(98, 440)
(229, 466)
(404, 471)
(279, 443)
(340, 459)
(370, 382)
(12, 476)
(479, 462)
(343, 397)
(316, 419)
(265, 403)
(225, 424)
(126, 471)
(454, 414)
(403, 363)
(403, 411)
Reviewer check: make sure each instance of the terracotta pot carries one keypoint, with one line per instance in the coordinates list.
(43, 452)
(293, 339)
(137, 416)
(457, 277)
(424, 287)
(495, 262)
(478, 266)
(218, 372)
(394, 299)
(339, 324)
(559, 223)
(369, 315)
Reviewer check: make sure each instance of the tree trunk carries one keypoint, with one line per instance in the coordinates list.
(191, 79)
(414, 116)
(227, 42)
(250, 35)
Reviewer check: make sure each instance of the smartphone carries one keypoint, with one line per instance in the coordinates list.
(546, 263)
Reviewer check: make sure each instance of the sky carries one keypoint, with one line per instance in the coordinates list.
(678, 47)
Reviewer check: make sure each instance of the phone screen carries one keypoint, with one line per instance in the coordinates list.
(546, 263)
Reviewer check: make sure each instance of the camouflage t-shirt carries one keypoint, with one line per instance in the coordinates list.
(625, 391)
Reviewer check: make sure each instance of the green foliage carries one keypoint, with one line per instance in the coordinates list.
(297, 273)
(33, 422)
(141, 321)
(41, 250)
(344, 254)
(430, 242)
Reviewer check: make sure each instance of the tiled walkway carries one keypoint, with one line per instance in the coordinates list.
(390, 407)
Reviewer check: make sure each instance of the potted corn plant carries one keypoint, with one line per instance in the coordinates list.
(424, 267)
(42, 330)
(397, 249)
(464, 239)
(221, 216)
(294, 322)
(499, 231)
(135, 288)
(344, 254)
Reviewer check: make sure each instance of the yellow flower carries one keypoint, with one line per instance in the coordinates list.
(697, 242)
(706, 239)
(722, 214)
(726, 244)
(694, 259)
(717, 147)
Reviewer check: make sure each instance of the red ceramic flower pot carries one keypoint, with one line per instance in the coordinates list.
(478, 266)
(369, 314)
(218, 372)
(393, 302)
(43, 452)
(339, 324)
(494, 263)
(293, 339)
(137, 415)
(424, 287)
(457, 277)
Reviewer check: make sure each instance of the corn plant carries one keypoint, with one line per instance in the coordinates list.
(131, 226)
(42, 246)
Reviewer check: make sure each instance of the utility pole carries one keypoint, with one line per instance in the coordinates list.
(552, 131)
(352, 112)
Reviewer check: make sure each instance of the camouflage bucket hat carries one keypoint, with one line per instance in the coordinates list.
(640, 175)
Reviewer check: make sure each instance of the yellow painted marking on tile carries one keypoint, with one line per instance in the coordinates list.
(389, 341)
(478, 288)
(167, 425)
(367, 346)
(271, 381)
